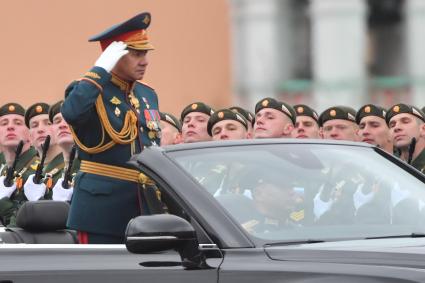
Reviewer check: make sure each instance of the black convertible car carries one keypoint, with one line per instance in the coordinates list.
(245, 211)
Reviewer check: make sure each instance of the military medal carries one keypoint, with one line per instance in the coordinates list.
(117, 112)
(152, 119)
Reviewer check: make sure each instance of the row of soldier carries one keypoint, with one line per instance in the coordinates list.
(400, 130)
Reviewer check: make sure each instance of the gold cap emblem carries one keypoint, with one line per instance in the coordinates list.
(396, 108)
(11, 108)
(194, 106)
(146, 20)
(367, 109)
(220, 115)
(265, 103)
(332, 113)
(300, 109)
(38, 109)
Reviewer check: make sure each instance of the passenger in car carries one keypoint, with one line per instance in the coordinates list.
(62, 133)
(113, 116)
(225, 124)
(306, 125)
(339, 123)
(13, 130)
(194, 119)
(37, 119)
(273, 119)
(372, 127)
(407, 129)
(171, 129)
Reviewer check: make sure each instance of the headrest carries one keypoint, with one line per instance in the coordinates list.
(43, 216)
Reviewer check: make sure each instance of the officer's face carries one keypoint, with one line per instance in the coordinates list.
(229, 130)
(13, 130)
(132, 66)
(339, 129)
(169, 134)
(40, 128)
(194, 128)
(305, 128)
(274, 201)
(404, 127)
(61, 131)
(374, 130)
(271, 123)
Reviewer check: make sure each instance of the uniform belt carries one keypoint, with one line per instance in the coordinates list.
(116, 172)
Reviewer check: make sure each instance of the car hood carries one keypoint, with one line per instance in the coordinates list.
(403, 252)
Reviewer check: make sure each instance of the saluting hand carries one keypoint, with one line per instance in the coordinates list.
(112, 54)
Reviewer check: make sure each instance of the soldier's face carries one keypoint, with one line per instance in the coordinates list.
(40, 128)
(271, 123)
(169, 134)
(374, 130)
(339, 129)
(229, 130)
(305, 128)
(404, 127)
(132, 66)
(13, 130)
(194, 128)
(61, 131)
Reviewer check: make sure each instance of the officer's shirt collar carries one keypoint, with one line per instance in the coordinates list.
(125, 86)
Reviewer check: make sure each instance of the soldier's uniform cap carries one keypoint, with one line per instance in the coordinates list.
(132, 32)
(338, 112)
(12, 108)
(370, 110)
(35, 110)
(55, 109)
(423, 109)
(272, 103)
(196, 107)
(250, 117)
(225, 114)
(304, 110)
(171, 119)
(404, 108)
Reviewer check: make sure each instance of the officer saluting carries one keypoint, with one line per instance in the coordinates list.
(112, 116)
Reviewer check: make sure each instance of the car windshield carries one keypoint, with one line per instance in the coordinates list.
(290, 192)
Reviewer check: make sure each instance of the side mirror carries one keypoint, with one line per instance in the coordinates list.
(160, 232)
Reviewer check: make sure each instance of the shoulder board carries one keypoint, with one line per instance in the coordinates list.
(145, 84)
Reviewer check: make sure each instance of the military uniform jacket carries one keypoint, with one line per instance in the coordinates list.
(104, 204)
(2, 161)
(52, 172)
(26, 166)
(419, 162)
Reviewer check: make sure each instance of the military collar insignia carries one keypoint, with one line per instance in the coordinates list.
(123, 85)
(114, 100)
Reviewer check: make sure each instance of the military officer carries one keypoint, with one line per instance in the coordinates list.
(171, 129)
(306, 125)
(194, 119)
(339, 123)
(248, 115)
(63, 136)
(112, 116)
(407, 129)
(37, 119)
(273, 119)
(14, 130)
(225, 124)
(372, 127)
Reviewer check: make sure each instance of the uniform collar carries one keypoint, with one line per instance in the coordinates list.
(125, 86)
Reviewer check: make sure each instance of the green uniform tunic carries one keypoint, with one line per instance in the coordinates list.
(52, 172)
(2, 160)
(419, 162)
(26, 166)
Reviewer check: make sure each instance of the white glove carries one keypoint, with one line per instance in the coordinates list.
(34, 191)
(112, 54)
(6, 191)
(60, 193)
